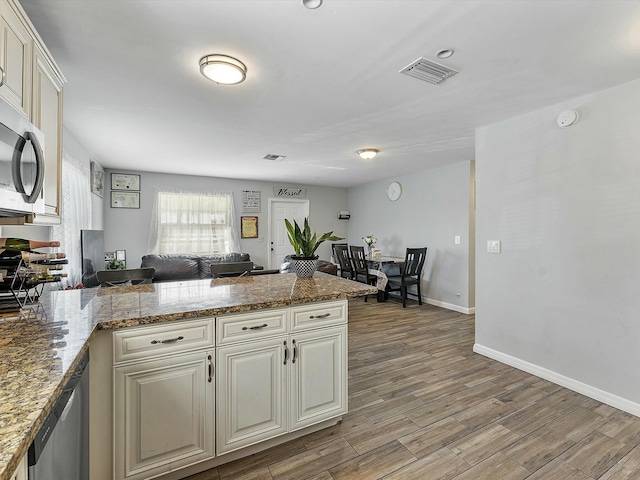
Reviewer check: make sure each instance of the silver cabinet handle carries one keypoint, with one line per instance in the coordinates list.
(210, 369)
(295, 352)
(168, 340)
(286, 352)
(3, 76)
(324, 315)
(257, 327)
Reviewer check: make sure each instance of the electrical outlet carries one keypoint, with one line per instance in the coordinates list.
(457, 294)
(493, 246)
(456, 240)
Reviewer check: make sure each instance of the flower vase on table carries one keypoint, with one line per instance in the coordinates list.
(370, 240)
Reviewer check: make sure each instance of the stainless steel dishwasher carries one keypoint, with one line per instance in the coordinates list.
(60, 450)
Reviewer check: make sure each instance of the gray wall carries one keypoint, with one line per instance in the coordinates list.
(128, 229)
(561, 300)
(433, 209)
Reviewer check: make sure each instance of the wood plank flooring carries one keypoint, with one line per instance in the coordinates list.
(423, 406)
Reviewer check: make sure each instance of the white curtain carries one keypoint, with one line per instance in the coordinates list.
(190, 222)
(76, 215)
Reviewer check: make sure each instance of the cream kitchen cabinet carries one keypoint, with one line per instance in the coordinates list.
(271, 386)
(16, 50)
(21, 472)
(33, 84)
(47, 116)
(163, 398)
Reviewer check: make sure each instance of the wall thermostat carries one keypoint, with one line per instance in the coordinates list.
(567, 118)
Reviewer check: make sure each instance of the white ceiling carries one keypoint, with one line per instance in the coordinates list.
(321, 83)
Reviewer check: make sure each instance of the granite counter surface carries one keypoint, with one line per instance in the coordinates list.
(39, 350)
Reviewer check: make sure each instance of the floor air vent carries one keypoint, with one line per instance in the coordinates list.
(428, 71)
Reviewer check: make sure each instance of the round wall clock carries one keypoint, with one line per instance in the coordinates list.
(394, 191)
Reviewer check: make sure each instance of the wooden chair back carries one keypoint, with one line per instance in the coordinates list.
(131, 276)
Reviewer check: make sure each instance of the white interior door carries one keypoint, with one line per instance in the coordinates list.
(279, 209)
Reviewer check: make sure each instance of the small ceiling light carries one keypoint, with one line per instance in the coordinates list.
(312, 3)
(446, 53)
(223, 69)
(367, 153)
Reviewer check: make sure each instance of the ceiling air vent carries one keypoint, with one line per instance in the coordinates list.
(274, 158)
(428, 71)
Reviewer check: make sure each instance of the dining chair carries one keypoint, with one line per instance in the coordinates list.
(361, 267)
(131, 276)
(341, 254)
(231, 269)
(410, 274)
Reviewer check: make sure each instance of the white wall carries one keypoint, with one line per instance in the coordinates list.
(561, 300)
(433, 209)
(128, 229)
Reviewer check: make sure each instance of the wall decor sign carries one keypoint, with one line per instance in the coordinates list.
(248, 227)
(289, 192)
(97, 179)
(251, 201)
(122, 181)
(125, 199)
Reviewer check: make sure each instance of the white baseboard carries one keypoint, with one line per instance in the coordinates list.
(570, 383)
(450, 306)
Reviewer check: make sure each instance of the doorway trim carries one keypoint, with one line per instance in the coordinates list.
(271, 201)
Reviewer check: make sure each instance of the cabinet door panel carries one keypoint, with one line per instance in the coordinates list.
(15, 60)
(318, 376)
(47, 116)
(251, 394)
(163, 415)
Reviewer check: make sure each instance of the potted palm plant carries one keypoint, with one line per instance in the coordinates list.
(305, 245)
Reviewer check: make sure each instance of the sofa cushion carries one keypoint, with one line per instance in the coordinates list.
(172, 267)
(206, 260)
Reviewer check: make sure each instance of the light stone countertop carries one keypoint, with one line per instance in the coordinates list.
(39, 350)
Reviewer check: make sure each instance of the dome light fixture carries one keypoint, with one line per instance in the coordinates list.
(446, 53)
(223, 69)
(312, 4)
(368, 153)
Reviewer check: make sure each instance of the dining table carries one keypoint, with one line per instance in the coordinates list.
(381, 266)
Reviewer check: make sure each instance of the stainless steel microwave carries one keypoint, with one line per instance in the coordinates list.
(21, 164)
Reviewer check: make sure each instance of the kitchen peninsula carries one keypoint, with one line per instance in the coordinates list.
(224, 334)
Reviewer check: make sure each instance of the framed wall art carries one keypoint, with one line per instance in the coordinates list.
(123, 181)
(97, 179)
(125, 199)
(248, 227)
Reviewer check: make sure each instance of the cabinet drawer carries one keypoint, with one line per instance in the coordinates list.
(144, 342)
(247, 326)
(316, 315)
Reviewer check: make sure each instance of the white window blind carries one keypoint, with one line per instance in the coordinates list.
(198, 223)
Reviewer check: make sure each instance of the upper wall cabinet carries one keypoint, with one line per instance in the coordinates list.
(47, 116)
(33, 85)
(15, 59)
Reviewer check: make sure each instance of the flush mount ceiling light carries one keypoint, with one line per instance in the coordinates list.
(446, 53)
(367, 153)
(223, 69)
(312, 3)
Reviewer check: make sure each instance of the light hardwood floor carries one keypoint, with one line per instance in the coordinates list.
(423, 406)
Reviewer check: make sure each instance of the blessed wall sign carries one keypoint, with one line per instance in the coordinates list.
(290, 192)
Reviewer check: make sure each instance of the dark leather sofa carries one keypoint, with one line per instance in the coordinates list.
(171, 267)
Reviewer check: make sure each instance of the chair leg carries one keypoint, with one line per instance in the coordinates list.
(419, 295)
(403, 291)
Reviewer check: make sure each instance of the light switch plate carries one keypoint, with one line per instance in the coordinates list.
(456, 240)
(493, 246)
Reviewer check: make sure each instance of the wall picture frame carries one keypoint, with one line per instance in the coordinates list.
(97, 179)
(125, 199)
(248, 227)
(125, 181)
